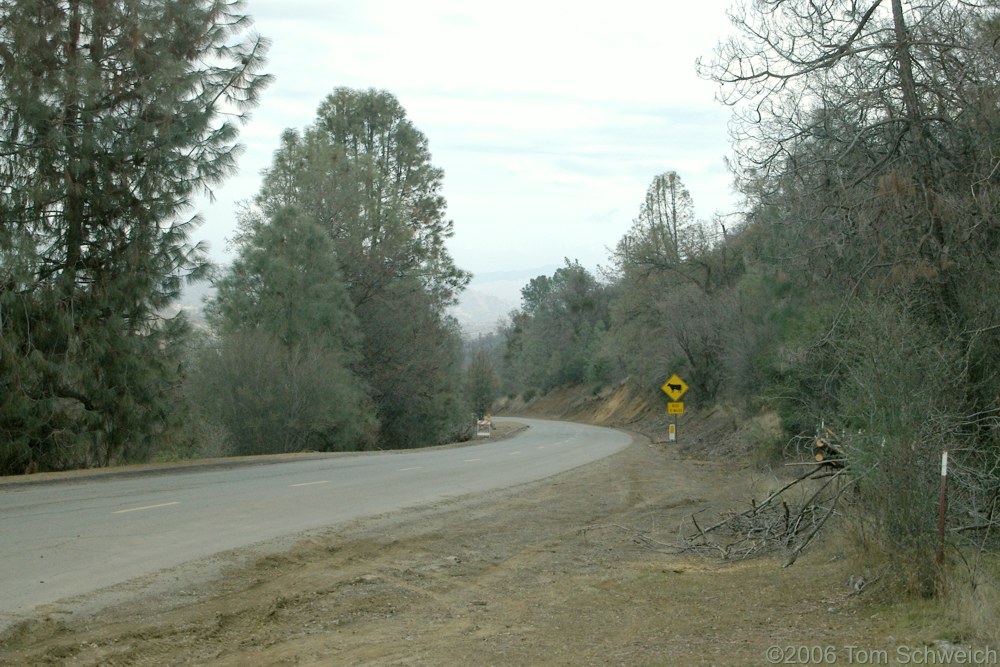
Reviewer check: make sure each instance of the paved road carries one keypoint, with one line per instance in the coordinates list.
(70, 538)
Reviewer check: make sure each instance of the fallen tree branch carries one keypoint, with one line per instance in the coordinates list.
(775, 522)
(809, 538)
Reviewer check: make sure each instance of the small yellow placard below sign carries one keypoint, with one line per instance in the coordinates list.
(675, 408)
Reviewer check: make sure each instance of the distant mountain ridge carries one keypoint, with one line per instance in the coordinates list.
(479, 312)
(491, 296)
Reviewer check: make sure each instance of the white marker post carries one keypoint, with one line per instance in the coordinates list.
(942, 507)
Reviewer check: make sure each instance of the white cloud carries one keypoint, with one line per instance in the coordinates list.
(549, 118)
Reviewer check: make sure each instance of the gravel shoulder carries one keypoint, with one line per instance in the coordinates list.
(548, 573)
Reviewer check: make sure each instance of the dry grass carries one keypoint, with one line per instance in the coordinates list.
(972, 592)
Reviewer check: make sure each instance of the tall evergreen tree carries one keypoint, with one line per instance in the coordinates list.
(113, 115)
(665, 236)
(553, 339)
(363, 172)
(286, 282)
(281, 378)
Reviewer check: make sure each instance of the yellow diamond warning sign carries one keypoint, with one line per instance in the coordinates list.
(674, 387)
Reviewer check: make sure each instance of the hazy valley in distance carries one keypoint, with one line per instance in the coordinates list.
(488, 299)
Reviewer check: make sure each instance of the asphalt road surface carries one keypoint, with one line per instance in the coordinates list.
(71, 538)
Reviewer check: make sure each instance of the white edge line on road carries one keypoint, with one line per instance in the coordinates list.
(325, 481)
(414, 468)
(517, 452)
(470, 460)
(147, 507)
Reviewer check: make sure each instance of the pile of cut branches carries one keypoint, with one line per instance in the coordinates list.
(777, 523)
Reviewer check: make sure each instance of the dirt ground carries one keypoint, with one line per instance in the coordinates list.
(549, 573)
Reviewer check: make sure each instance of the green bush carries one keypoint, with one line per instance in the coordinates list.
(271, 400)
(899, 408)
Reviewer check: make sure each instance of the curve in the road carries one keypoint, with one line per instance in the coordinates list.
(72, 538)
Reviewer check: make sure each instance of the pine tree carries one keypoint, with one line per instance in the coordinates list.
(281, 378)
(363, 172)
(113, 115)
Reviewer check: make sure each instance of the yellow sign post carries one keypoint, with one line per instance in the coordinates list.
(675, 387)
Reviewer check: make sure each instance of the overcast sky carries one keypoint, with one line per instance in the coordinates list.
(550, 119)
